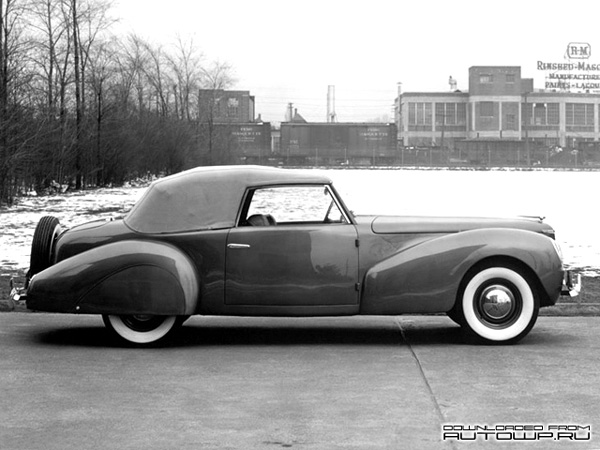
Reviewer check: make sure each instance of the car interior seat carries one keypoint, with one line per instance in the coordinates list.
(261, 220)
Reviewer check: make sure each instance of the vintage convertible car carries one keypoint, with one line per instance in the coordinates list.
(258, 241)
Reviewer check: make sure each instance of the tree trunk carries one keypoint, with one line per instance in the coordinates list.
(76, 68)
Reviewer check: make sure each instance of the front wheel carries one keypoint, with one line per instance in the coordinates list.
(139, 328)
(499, 305)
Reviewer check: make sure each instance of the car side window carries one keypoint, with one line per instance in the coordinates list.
(293, 205)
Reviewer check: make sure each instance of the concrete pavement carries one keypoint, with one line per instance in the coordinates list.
(326, 383)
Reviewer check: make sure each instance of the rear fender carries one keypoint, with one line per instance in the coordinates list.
(127, 277)
(425, 278)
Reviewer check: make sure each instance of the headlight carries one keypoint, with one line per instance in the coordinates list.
(549, 232)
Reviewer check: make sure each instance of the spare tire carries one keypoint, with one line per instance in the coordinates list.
(42, 247)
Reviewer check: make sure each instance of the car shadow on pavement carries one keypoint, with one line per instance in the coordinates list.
(453, 334)
(276, 336)
(193, 336)
(199, 333)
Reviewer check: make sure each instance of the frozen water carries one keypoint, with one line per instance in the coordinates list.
(565, 199)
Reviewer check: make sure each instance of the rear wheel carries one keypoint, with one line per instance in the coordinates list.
(499, 304)
(42, 247)
(141, 328)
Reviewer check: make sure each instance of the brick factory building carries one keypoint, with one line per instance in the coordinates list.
(224, 106)
(503, 120)
(228, 131)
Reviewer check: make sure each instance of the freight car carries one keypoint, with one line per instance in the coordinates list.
(300, 143)
(338, 143)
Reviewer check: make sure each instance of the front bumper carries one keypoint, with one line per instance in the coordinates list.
(571, 284)
(18, 294)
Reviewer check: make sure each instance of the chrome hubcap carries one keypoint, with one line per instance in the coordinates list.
(142, 322)
(496, 302)
(142, 317)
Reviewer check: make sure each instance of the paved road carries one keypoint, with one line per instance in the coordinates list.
(350, 383)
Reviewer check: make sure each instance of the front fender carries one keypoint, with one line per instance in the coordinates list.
(127, 277)
(425, 278)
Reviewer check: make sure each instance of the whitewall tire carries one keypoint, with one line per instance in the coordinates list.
(141, 329)
(499, 305)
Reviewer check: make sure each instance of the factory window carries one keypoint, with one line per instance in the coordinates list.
(216, 107)
(486, 109)
(233, 107)
(580, 114)
(428, 114)
(511, 123)
(539, 113)
(510, 77)
(461, 113)
(589, 114)
(553, 114)
(419, 114)
(440, 113)
(526, 114)
(486, 78)
(450, 114)
(412, 113)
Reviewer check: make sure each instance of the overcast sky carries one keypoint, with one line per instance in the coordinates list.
(292, 51)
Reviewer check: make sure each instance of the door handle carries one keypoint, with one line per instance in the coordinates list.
(238, 246)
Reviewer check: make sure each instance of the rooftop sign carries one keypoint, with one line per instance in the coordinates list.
(576, 73)
(579, 50)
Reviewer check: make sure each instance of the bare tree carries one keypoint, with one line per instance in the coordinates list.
(216, 78)
(186, 68)
(47, 22)
(78, 99)
(92, 22)
(101, 73)
(50, 22)
(130, 61)
(157, 78)
(77, 105)
(13, 156)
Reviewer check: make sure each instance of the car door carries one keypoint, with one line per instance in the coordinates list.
(294, 246)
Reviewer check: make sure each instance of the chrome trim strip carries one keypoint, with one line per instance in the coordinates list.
(238, 246)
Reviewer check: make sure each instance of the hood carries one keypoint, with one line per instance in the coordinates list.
(444, 225)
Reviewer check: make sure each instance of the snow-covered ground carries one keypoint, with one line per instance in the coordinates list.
(565, 199)
(18, 223)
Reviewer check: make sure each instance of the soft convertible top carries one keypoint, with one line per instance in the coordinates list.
(206, 197)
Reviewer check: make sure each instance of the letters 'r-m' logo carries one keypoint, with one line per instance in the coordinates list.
(579, 50)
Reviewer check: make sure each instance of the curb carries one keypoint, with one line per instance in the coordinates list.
(6, 306)
(571, 309)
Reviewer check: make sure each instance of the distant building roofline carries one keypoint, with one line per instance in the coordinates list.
(437, 93)
(339, 123)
